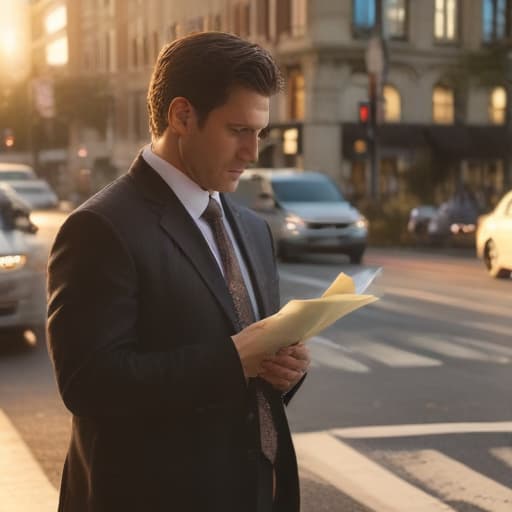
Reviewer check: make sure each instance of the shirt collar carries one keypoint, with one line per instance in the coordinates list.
(191, 195)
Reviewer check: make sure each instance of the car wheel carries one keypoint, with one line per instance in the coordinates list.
(491, 261)
(356, 256)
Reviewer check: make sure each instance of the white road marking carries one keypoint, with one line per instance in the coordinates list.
(435, 298)
(487, 346)
(453, 480)
(456, 302)
(310, 281)
(327, 353)
(392, 356)
(359, 477)
(503, 453)
(428, 429)
(23, 485)
(491, 327)
(451, 349)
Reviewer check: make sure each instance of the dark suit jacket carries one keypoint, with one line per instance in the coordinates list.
(139, 330)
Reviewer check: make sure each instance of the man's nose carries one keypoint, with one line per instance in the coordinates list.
(249, 149)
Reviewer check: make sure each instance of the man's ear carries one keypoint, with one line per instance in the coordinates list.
(180, 115)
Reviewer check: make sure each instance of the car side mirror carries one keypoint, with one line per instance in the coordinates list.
(22, 222)
(265, 202)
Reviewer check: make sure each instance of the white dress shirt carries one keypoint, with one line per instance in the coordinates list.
(195, 200)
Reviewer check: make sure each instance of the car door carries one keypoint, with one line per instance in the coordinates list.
(505, 233)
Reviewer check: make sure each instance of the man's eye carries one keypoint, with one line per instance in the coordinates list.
(264, 133)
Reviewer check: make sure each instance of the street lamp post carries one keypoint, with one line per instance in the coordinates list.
(376, 66)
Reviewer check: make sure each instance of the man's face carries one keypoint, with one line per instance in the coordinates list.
(215, 155)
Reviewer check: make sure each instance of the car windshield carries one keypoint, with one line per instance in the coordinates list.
(15, 175)
(35, 189)
(306, 191)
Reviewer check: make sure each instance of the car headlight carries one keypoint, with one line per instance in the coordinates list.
(294, 222)
(12, 261)
(361, 223)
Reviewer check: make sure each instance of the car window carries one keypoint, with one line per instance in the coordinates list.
(15, 175)
(306, 191)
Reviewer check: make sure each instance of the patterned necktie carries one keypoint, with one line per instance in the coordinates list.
(245, 316)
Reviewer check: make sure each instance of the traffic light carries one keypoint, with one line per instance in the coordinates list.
(8, 139)
(364, 113)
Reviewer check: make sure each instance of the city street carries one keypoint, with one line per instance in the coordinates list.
(407, 405)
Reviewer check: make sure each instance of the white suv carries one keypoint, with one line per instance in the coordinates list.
(306, 211)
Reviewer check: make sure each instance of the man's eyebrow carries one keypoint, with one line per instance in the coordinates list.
(249, 127)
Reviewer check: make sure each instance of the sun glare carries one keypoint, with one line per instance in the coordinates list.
(8, 41)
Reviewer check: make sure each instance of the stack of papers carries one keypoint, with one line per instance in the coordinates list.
(300, 320)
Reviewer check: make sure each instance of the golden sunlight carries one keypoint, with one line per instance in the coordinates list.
(8, 41)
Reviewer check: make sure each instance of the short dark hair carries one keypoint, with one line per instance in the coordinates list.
(203, 68)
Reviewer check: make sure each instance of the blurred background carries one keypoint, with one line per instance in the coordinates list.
(402, 103)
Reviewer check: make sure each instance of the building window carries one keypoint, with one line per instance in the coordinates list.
(135, 53)
(299, 17)
(495, 20)
(363, 17)
(498, 105)
(296, 94)
(396, 18)
(140, 116)
(156, 44)
(57, 52)
(443, 102)
(56, 20)
(392, 104)
(445, 20)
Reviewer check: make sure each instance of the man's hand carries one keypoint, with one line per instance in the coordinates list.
(248, 344)
(286, 368)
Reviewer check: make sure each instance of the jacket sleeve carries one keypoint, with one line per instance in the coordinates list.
(93, 301)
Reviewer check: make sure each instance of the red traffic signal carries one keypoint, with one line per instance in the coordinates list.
(364, 112)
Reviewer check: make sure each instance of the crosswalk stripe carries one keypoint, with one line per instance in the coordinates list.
(503, 453)
(23, 485)
(329, 354)
(453, 480)
(456, 302)
(392, 356)
(362, 479)
(427, 429)
(450, 349)
(486, 346)
(495, 329)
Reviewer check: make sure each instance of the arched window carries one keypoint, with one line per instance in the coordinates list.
(443, 105)
(392, 104)
(497, 105)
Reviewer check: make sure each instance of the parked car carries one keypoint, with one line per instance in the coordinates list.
(16, 172)
(22, 263)
(419, 219)
(37, 193)
(455, 220)
(306, 211)
(494, 238)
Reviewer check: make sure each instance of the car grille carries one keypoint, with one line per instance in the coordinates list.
(327, 225)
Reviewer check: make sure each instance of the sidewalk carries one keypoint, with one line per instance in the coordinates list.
(23, 485)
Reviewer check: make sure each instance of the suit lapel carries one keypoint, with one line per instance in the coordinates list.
(181, 228)
(248, 245)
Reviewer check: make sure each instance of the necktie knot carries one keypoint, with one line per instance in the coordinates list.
(213, 211)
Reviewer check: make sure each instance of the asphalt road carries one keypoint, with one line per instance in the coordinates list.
(407, 405)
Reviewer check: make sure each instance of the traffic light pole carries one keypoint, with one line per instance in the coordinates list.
(373, 136)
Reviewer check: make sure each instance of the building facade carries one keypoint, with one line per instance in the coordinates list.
(430, 122)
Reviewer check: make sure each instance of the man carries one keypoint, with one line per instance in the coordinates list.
(153, 286)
